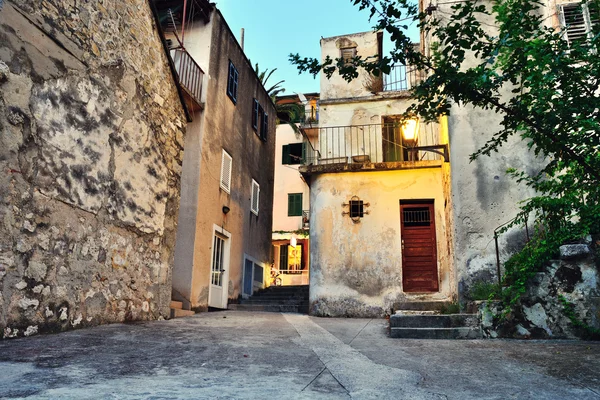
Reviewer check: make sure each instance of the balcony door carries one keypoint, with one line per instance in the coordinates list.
(419, 250)
(392, 147)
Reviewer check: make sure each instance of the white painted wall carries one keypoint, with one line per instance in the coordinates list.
(287, 180)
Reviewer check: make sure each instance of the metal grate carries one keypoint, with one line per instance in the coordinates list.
(417, 216)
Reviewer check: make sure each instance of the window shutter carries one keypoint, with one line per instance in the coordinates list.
(285, 154)
(235, 83)
(255, 114)
(226, 163)
(304, 153)
(294, 204)
(575, 18)
(265, 127)
(254, 201)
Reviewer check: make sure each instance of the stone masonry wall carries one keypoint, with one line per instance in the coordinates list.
(541, 315)
(91, 146)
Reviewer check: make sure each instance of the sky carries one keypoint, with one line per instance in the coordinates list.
(276, 28)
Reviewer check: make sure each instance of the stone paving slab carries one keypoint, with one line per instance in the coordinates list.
(248, 355)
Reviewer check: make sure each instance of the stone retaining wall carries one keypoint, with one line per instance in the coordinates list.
(541, 314)
(91, 146)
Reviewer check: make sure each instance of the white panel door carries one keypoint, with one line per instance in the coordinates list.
(219, 272)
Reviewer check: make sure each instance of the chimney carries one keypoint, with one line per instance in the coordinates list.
(242, 39)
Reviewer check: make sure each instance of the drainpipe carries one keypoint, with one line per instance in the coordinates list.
(183, 21)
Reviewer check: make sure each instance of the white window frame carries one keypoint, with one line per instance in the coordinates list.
(587, 20)
(254, 199)
(226, 176)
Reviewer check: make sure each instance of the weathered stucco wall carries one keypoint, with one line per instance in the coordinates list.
(91, 142)
(484, 196)
(356, 268)
(228, 126)
(366, 45)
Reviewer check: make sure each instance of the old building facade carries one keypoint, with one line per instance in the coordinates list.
(380, 193)
(91, 146)
(224, 230)
(291, 214)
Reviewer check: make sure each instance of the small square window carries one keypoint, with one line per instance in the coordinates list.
(232, 83)
(348, 54)
(356, 209)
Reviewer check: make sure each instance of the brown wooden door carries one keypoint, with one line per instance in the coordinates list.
(419, 252)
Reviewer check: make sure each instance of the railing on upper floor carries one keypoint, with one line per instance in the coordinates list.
(190, 75)
(401, 78)
(373, 143)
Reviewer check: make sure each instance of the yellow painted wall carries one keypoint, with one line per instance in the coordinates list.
(356, 268)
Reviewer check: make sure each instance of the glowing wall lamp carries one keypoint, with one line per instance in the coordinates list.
(410, 136)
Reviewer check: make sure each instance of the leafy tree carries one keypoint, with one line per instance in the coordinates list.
(501, 55)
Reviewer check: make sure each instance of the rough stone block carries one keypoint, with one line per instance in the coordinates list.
(574, 251)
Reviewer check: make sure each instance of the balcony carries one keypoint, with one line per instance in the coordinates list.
(389, 142)
(190, 77)
(402, 78)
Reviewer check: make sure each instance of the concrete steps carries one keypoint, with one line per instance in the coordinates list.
(409, 325)
(293, 299)
(177, 310)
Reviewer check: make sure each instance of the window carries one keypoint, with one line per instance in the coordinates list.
(283, 258)
(260, 120)
(255, 112)
(578, 20)
(348, 54)
(293, 153)
(265, 127)
(226, 162)
(356, 209)
(232, 83)
(255, 197)
(294, 204)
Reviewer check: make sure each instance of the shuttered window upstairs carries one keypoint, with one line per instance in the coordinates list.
(226, 166)
(232, 83)
(294, 204)
(578, 20)
(254, 200)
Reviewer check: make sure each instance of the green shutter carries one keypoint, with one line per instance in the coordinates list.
(295, 205)
(285, 156)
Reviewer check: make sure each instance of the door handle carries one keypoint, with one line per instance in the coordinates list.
(402, 244)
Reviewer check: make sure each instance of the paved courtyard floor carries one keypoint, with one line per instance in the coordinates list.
(242, 355)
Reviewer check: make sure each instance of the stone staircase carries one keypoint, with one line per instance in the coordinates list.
(178, 311)
(415, 321)
(292, 299)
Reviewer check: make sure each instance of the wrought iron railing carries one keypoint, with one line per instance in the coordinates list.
(402, 77)
(189, 72)
(373, 143)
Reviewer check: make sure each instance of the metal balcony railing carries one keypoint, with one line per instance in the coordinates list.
(373, 143)
(402, 77)
(189, 73)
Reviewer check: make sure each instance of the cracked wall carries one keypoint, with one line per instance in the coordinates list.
(91, 146)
